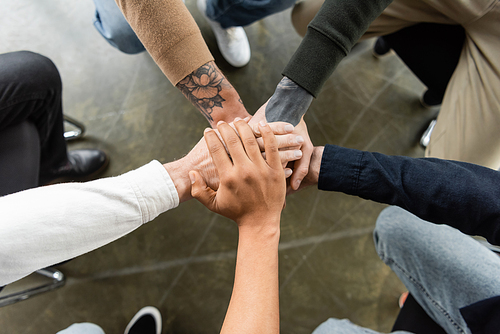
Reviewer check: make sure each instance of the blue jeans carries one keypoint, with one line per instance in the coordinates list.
(113, 26)
(235, 13)
(442, 268)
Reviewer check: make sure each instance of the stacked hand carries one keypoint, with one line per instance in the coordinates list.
(199, 159)
(300, 166)
(252, 189)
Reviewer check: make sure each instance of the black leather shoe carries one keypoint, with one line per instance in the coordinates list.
(430, 99)
(380, 48)
(82, 165)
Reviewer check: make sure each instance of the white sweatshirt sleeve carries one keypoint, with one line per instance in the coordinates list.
(47, 225)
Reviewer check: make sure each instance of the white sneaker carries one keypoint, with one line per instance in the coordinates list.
(232, 42)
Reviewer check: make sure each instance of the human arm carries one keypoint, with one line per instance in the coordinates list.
(67, 220)
(251, 192)
(459, 194)
(47, 225)
(170, 35)
(330, 36)
(212, 94)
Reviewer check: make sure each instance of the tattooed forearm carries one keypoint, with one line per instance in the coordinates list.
(202, 88)
(288, 103)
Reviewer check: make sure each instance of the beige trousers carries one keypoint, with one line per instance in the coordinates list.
(468, 125)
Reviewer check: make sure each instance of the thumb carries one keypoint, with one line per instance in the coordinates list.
(201, 191)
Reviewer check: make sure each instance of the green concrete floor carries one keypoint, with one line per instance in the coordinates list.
(183, 261)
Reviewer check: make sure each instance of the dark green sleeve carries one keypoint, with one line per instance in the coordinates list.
(330, 36)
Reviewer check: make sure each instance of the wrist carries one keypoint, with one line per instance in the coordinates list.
(288, 103)
(258, 226)
(315, 165)
(179, 173)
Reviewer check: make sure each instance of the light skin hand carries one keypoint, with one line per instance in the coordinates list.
(199, 159)
(313, 171)
(251, 188)
(212, 94)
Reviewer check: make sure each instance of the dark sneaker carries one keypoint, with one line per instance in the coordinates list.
(430, 99)
(380, 48)
(81, 165)
(146, 321)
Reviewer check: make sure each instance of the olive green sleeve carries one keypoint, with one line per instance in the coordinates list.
(330, 36)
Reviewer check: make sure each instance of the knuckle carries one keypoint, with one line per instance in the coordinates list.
(272, 147)
(249, 141)
(232, 141)
(302, 171)
(216, 149)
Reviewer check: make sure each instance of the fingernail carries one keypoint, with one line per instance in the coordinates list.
(192, 178)
(220, 122)
(289, 128)
(262, 123)
(237, 119)
(288, 172)
(246, 119)
(297, 184)
(299, 139)
(297, 153)
(207, 130)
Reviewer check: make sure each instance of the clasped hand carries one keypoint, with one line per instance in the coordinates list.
(251, 189)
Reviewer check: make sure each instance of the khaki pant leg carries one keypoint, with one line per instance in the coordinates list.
(398, 15)
(468, 126)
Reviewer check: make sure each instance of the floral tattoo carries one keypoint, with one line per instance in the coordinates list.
(202, 88)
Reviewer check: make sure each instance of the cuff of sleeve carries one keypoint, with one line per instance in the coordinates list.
(154, 190)
(184, 58)
(340, 169)
(314, 61)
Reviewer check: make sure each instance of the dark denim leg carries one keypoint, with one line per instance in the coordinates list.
(236, 13)
(31, 90)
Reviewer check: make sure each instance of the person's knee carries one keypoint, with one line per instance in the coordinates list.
(124, 39)
(118, 33)
(37, 70)
(390, 230)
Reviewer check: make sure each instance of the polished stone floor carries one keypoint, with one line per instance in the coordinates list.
(183, 261)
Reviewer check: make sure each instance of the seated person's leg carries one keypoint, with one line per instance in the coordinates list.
(113, 26)
(19, 158)
(413, 318)
(431, 51)
(235, 13)
(31, 90)
(442, 268)
(467, 125)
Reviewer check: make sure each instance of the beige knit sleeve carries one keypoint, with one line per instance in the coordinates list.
(169, 33)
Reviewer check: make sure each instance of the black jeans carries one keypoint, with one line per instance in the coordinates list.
(431, 51)
(31, 120)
